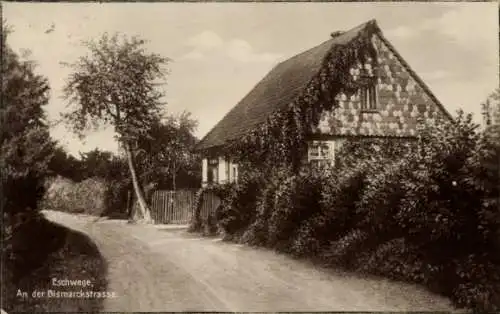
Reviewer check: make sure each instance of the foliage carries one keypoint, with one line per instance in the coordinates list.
(257, 232)
(100, 164)
(165, 154)
(342, 252)
(296, 200)
(25, 151)
(66, 165)
(116, 85)
(400, 260)
(491, 110)
(340, 192)
(56, 252)
(26, 147)
(237, 210)
(85, 197)
(198, 222)
(423, 211)
(356, 150)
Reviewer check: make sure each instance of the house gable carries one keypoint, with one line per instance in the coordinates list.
(402, 100)
(277, 90)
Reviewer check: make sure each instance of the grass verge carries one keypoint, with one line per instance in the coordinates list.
(42, 251)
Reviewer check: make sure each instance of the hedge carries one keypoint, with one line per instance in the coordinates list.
(425, 212)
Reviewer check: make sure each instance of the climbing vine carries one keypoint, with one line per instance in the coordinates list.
(280, 141)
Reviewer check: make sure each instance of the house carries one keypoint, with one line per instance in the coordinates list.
(390, 105)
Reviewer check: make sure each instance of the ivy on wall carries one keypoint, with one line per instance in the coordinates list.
(280, 141)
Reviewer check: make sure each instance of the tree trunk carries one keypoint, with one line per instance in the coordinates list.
(143, 206)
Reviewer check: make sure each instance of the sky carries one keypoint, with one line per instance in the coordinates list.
(219, 51)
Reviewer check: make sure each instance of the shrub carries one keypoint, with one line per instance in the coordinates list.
(238, 207)
(397, 259)
(425, 212)
(340, 192)
(442, 205)
(382, 195)
(478, 282)
(86, 197)
(296, 200)
(355, 151)
(306, 242)
(257, 232)
(341, 252)
(200, 223)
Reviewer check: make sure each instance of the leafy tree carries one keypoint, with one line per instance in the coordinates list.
(25, 151)
(491, 114)
(166, 151)
(65, 165)
(26, 146)
(116, 85)
(96, 163)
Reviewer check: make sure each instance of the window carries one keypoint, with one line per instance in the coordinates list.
(369, 97)
(319, 154)
(234, 173)
(213, 170)
(227, 167)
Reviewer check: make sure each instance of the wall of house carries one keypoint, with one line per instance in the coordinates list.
(401, 102)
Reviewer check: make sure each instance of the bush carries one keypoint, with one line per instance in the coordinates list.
(203, 224)
(478, 282)
(341, 252)
(340, 191)
(398, 260)
(86, 197)
(382, 195)
(257, 232)
(296, 200)
(238, 207)
(373, 150)
(442, 205)
(424, 212)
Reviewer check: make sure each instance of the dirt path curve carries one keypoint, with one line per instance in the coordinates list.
(166, 269)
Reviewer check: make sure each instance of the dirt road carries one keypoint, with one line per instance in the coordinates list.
(166, 269)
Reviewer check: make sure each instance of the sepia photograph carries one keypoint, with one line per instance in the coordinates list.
(250, 157)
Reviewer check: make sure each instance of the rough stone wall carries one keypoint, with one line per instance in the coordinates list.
(401, 102)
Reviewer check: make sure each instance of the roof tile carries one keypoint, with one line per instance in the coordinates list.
(275, 91)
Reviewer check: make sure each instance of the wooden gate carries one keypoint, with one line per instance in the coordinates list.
(177, 207)
(172, 207)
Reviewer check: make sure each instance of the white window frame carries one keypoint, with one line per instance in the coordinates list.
(234, 173)
(323, 157)
(213, 167)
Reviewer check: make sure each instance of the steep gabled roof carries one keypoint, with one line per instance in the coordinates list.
(282, 85)
(274, 92)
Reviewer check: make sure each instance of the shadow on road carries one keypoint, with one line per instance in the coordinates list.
(41, 251)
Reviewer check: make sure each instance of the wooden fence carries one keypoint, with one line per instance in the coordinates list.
(177, 207)
(172, 207)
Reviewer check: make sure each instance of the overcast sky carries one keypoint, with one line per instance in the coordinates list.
(221, 50)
